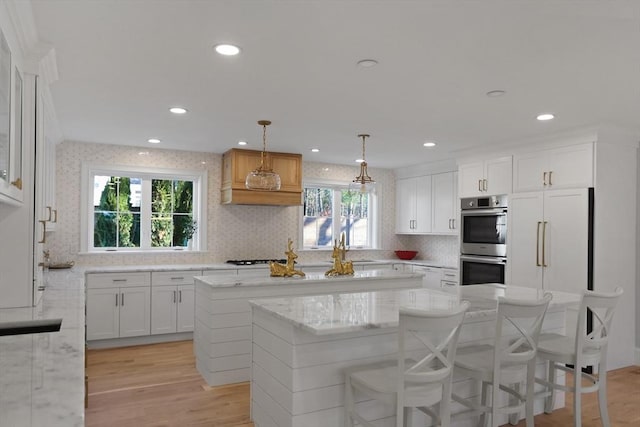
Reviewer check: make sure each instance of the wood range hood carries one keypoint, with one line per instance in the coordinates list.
(237, 163)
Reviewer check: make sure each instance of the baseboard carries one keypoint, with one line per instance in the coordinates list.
(637, 358)
(147, 339)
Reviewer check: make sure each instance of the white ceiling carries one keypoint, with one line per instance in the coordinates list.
(122, 64)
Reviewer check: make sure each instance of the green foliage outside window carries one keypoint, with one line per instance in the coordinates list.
(116, 225)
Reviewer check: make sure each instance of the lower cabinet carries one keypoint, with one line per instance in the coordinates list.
(118, 312)
(172, 309)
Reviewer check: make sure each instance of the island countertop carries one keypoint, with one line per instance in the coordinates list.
(310, 278)
(344, 313)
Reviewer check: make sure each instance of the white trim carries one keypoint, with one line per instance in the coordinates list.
(637, 358)
(141, 340)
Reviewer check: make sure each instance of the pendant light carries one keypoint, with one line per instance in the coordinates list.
(363, 182)
(263, 178)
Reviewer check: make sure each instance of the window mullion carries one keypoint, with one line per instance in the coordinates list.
(145, 214)
(336, 211)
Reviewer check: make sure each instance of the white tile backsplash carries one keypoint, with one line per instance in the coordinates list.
(233, 231)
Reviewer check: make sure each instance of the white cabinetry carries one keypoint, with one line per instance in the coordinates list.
(432, 276)
(445, 206)
(118, 305)
(486, 177)
(172, 301)
(413, 205)
(450, 280)
(564, 167)
(548, 240)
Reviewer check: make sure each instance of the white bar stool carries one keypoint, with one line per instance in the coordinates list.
(581, 349)
(510, 360)
(420, 377)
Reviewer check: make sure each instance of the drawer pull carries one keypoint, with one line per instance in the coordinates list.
(119, 280)
(180, 296)
(177, 278)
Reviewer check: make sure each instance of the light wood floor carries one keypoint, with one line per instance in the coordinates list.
(158, 385)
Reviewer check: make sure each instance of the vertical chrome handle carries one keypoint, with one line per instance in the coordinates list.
(550, 172)
(484, 184)
(174, 297)
(180, 296)
(117, 296)
(122, 300)
(544, 179)
(449, 223)
(453, 224)
(55, 215)
(538, 244)
(544, 245)
(44, 231)
(479, 185)
(49, 213)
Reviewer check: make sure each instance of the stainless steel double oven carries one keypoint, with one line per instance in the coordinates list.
(483, 240)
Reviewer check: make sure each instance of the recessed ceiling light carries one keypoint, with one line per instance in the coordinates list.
(227, 49)
(359, 160)
(545, 116)
(242, 142)
(143, 153)
(367, 63)
(495, 93)
(154, 141)
(203, 162)
(429, 144)
(178, 110)
(315, 150)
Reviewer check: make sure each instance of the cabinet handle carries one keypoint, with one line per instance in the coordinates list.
(49, 213)
(538, 245)
(550, 172)
(544, 236)
(544, 179)
(484, 184)
(177, 278)
(174, 297)
(118, 280)
(453, 221)
(55, 215)
(117, 299)
(449, 275)
(44, 231)
(179, 296)
(479, 185)
(122, 300)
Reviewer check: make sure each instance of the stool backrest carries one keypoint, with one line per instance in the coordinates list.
(602, 307)
(430, 338)
(517, 330)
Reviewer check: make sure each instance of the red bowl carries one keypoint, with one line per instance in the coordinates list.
(406, 255)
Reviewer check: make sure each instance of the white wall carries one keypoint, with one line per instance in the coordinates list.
(233, 231)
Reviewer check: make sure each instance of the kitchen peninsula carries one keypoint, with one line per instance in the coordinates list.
(301, 346)
(222, 336)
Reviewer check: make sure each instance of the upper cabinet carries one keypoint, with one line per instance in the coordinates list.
(413, 205)
(11, 127)
(236, 164)
(485, 178)
(427, 204)
(557, 168)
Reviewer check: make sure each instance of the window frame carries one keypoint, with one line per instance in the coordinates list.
(199, 178)
(375, 222)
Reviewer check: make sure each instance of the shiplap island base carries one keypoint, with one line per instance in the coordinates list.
(301, 345)
(222, 335)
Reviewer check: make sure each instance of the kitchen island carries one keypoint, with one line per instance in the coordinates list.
(222, 336)
(302, 344)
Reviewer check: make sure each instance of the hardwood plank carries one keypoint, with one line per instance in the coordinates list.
(158, 385)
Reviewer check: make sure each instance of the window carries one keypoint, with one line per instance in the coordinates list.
(134, 209)
(331, 209)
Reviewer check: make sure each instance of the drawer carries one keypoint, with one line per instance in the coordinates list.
(119, 280)
(178, 277)
(230, 272)
(450, 275)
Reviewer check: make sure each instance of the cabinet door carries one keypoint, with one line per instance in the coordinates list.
(571, 167)
(405, 205)
(566, 250)
(529, 171)
(289, 167)
(103, 313)
(423, 204)
(186, 308)
(499, 175)
(432, 276)
(135, 307)
(443, 202)
(470, 178)
(524, 240)
(164, 300)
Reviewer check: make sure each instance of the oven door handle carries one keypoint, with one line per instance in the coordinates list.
(484, 259)
(484, 212)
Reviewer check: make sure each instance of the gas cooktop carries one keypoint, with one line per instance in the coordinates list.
(254, 261)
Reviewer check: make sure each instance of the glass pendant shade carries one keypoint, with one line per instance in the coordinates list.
(363, 182)
(263, 178)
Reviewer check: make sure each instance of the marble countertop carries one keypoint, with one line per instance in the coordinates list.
(343, 313)
(233, 281)
(42, 375)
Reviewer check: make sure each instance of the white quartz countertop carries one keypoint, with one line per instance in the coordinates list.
(311, 278)
(42, 375)
(343, 313)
